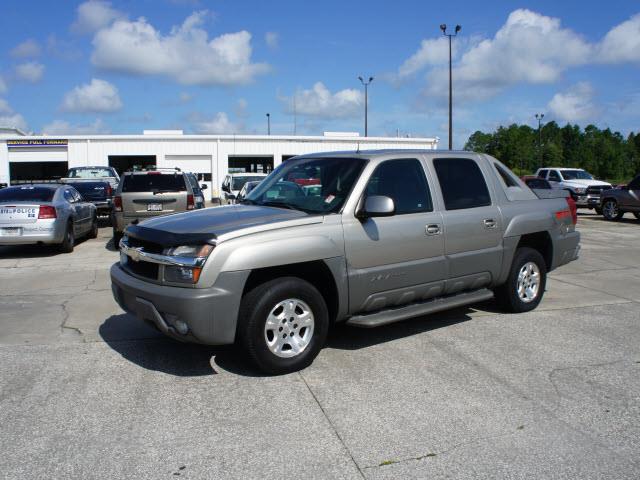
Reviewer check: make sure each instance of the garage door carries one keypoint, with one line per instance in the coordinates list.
(37, 164)
(198, 164)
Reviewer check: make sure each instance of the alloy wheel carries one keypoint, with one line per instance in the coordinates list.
(289, 328)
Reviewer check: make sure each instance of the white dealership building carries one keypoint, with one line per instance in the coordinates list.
(26, 158)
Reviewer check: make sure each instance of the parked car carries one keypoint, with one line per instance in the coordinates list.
(233, 183)
(45, 214)
(105, 174)
(245, 190)
(97, 192)
(390, 235)
(584, 189)
(150, 193)
(618, 201)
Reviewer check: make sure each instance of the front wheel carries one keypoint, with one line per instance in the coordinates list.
(526, 282)
(283, 324)
(610, 210)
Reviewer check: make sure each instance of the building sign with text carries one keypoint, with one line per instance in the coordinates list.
(49, 142)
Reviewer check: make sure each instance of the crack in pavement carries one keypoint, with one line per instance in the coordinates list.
(333, 427)
(628, 300)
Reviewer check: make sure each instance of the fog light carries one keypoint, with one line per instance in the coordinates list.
(181, 327)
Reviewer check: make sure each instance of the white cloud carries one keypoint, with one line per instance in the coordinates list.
(320, 102)
(28, 48)
(621, 43)
(219, 123)
(186, 54)
(97, 96)
(30, 71)
(62, 127)
(185, 97)
(433, 51)
(575, 104)
(9, 118)
(94, 15)
(272, 39)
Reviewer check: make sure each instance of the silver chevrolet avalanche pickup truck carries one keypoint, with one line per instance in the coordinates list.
(383, 236)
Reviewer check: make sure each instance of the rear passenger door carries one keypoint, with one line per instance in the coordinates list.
(472, 224)
(399, 259)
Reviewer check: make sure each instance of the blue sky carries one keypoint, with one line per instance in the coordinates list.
(220, 66)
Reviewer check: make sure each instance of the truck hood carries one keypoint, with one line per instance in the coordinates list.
(218, 223)
(586, 183)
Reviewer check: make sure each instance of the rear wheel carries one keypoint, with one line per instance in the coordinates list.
(610, 210)
(69, 239)
(283, 324)
(526, 282)
(93, 233)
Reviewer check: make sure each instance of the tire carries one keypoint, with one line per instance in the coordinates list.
(69, 239)
(116, 238)
(270, 348)
(93, 233)
(610, 210)
(529, 263)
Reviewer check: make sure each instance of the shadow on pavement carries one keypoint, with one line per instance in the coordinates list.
(151, 350)
(346, 337)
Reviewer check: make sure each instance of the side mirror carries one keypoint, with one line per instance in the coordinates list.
(377, 206)
(204, 186)
(231, 197)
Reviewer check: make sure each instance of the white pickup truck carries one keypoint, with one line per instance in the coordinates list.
(584, 189)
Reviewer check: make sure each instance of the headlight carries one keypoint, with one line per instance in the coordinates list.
(189, 269)
(581, 191)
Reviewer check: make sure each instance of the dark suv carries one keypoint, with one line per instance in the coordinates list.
(616, 202)
(145, 194)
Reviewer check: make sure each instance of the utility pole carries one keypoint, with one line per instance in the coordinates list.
(539, 117)
(268, 124)
(366, 102)
(443, 27)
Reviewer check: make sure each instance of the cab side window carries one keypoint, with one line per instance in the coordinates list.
(404, 181)
(554, 176)
(542, 173)
(68, 196)
(462, 183)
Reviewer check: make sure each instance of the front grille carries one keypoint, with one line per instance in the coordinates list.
(597, 190)
(144, 269)
(149, 247)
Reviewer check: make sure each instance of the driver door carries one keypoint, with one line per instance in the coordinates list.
(396, 260)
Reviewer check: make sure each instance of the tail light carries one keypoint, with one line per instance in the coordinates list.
(109, 190)
(573, 209)
(117, 203)
(47, 211)
(190, 202)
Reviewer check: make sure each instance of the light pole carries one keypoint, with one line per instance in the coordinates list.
(366, 101)
(268, 124)
(443, 27)
(539, 117)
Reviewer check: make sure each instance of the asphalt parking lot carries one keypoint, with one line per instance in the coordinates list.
(87, 391)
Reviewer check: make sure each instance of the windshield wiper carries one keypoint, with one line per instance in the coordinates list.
(156, 191)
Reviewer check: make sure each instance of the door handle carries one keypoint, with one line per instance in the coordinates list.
(433, 229)
(489, 223)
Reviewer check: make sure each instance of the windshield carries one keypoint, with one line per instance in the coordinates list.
(26, 194)
(332, 180)
(575, 175)
(90, 173)
(238, 182)
(153, 182)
